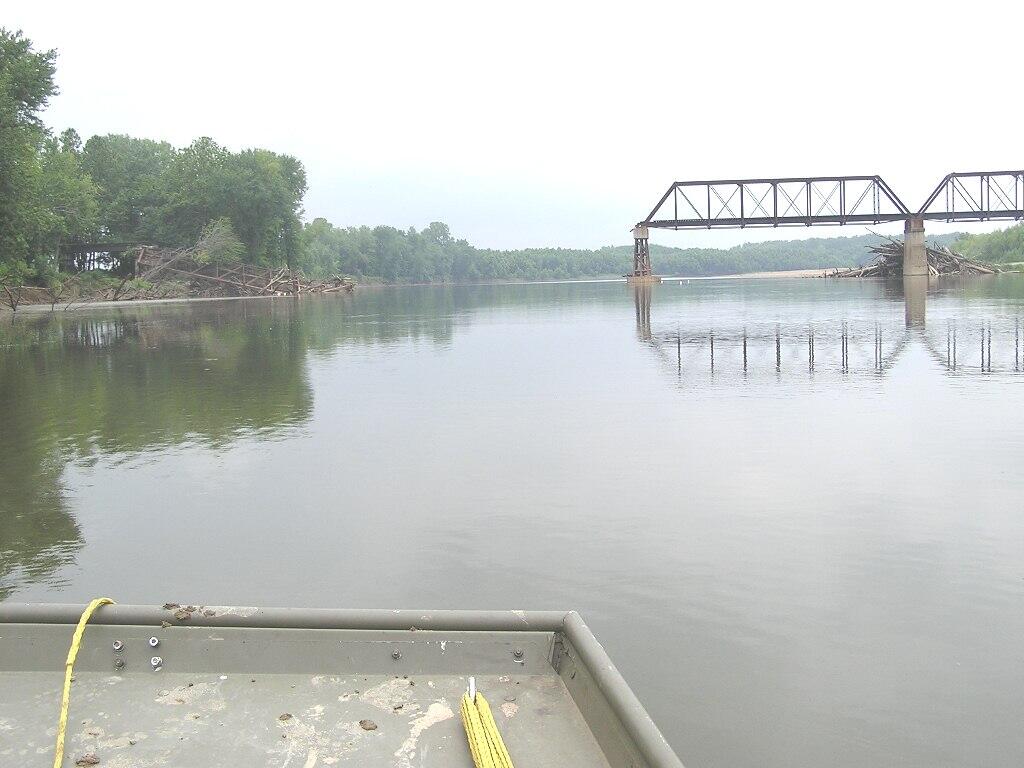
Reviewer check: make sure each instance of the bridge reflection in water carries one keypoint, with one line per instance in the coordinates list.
(957, 345)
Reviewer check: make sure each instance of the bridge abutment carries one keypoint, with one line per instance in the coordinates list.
(915, 255)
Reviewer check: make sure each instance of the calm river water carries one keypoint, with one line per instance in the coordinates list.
(809, 555)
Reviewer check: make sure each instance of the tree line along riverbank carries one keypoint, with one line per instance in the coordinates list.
(57, 192)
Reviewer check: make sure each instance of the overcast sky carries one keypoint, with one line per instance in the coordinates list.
(550, 123)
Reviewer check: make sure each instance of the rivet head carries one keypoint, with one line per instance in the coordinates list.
(118, 646)
(396, 655)
(118, 662)
(154, 642)
(156, 661)
(518, 653)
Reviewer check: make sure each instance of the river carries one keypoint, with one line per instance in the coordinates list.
(790, 509)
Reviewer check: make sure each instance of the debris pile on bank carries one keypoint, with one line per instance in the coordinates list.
(213, 280)
(941, 261)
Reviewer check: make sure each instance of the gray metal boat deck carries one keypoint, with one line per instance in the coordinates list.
(279, 687)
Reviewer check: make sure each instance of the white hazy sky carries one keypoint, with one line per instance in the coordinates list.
(550, 123)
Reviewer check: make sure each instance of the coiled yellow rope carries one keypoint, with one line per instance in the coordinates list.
(485, 742)
(69, 667)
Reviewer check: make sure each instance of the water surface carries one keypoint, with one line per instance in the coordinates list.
(808, 553)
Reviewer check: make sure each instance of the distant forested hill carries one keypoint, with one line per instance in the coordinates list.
(1003, 246)
(433, 255)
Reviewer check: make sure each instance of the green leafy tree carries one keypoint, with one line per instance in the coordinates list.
(999, 247)
(193, 191)
(266, 191)
(218, 244)
(26, 84)
(319, 250)
(70, 141)
(129, 175)
(259, 191)
(13, 274)
(69, 197)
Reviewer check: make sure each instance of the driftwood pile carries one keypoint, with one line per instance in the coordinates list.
(941, 261)
(232, 279)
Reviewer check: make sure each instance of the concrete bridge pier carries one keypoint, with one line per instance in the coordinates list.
(915, 257)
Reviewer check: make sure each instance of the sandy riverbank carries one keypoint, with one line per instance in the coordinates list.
(817, 272)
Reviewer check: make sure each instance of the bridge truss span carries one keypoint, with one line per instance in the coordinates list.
(977, 196)
(732, 203)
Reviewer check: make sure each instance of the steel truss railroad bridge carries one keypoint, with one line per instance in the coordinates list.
(828, 200)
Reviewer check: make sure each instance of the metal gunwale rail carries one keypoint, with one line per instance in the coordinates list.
(292, 618)
(635, 720)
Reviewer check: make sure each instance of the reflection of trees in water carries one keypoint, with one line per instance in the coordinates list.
(81, 385)
(433, 313)
(108, 381)
(131, 382)
(37, 534)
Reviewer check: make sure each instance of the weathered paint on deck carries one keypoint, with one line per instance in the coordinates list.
(239, 686)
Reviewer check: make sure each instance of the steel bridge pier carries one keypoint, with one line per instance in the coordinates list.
(641, 273)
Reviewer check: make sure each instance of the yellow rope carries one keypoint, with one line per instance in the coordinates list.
(485, 742)
(69, 667)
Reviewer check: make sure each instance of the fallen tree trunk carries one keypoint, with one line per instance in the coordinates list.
(213, 280)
